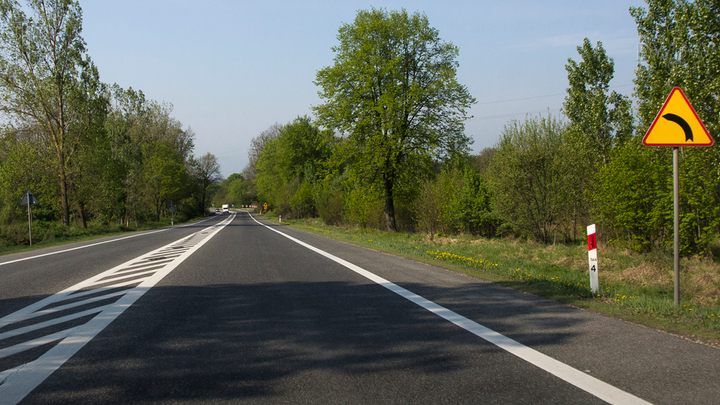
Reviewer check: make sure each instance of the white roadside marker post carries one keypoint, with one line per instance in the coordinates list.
(592, 259)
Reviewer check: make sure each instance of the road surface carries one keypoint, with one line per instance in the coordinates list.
(234, 309)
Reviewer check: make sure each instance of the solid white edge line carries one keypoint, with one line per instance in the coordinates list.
(579, 379)
(99, 243)
(14, 389)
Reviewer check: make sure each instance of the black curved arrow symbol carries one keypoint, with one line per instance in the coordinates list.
(685, 126)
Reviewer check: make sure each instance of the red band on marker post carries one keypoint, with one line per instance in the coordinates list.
(592, 242)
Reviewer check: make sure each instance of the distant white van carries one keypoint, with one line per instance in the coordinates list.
(226, 208)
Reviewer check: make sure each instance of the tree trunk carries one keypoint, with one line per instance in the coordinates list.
(389, 207)
(64, 200)
(83, 217)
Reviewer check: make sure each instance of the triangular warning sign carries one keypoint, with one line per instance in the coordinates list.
(677, 124)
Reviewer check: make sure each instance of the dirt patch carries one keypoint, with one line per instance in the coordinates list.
(644, 274)
(480, 241)
(444, 240)
(696, 264)
(707, 288)
(566, 261)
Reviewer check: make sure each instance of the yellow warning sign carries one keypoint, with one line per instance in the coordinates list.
(677, 124)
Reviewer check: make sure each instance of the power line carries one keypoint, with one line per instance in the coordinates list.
(536, 97)
(489, 117)
(521, 99)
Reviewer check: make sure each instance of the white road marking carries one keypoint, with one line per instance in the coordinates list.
(592, 385)
(97, 244)
(18, 382)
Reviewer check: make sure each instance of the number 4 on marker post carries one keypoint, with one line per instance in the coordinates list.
(592, 259)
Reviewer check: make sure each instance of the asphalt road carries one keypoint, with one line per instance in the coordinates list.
(234, 311)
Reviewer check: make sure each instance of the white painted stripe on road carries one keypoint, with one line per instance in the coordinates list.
(18, 382)
(96, 244)
(9, 351)
(52, 322)
(79, 247)
(585, 382)
(74, 305)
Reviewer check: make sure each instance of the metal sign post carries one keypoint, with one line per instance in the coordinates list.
(29, 199)
(172, 213)
(677, 124)
(676, 224)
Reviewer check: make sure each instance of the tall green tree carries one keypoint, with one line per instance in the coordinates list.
(206, 171)
(680, 47)
(601, 117)
(42, 67)
(85, 172)
(392, 92)
(288, 166)
(164, 176)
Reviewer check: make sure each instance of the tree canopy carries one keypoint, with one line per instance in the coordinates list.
(392, 93)
(602, 118)
(91, 152)
(44, 78)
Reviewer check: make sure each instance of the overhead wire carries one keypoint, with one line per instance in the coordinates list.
(508, 115)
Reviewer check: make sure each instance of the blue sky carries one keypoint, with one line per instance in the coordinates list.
(233, 68)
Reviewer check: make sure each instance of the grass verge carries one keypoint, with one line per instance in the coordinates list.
(75, 235)
(634, 287)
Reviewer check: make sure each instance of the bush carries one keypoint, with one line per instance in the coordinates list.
(428, 207)
(302, 202)
(526, 177)
(364, 206)
(329, 202)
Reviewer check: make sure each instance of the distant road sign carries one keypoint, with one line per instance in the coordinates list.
(28, 197)
(677, 124)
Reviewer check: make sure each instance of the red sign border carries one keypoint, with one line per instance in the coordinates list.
(712, 141)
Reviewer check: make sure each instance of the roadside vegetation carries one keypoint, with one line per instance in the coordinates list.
(97, 157)
(634, 286)
(522, 206)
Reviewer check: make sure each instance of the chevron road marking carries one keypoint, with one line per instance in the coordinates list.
(72, 317)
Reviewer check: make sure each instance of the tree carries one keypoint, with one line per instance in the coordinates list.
(680, 41)
(86, 171)
(257, 145)
(526, 177)
(429, 206)
(164, 175)
(392, 93)
(41, 71)
(207, 173)
(134, 127)
(632, 199)
(603, 119)
(302, 150)
(237, 190)
(680, 47)
(294, 157)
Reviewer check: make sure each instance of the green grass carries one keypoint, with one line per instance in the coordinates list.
(634, 287)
